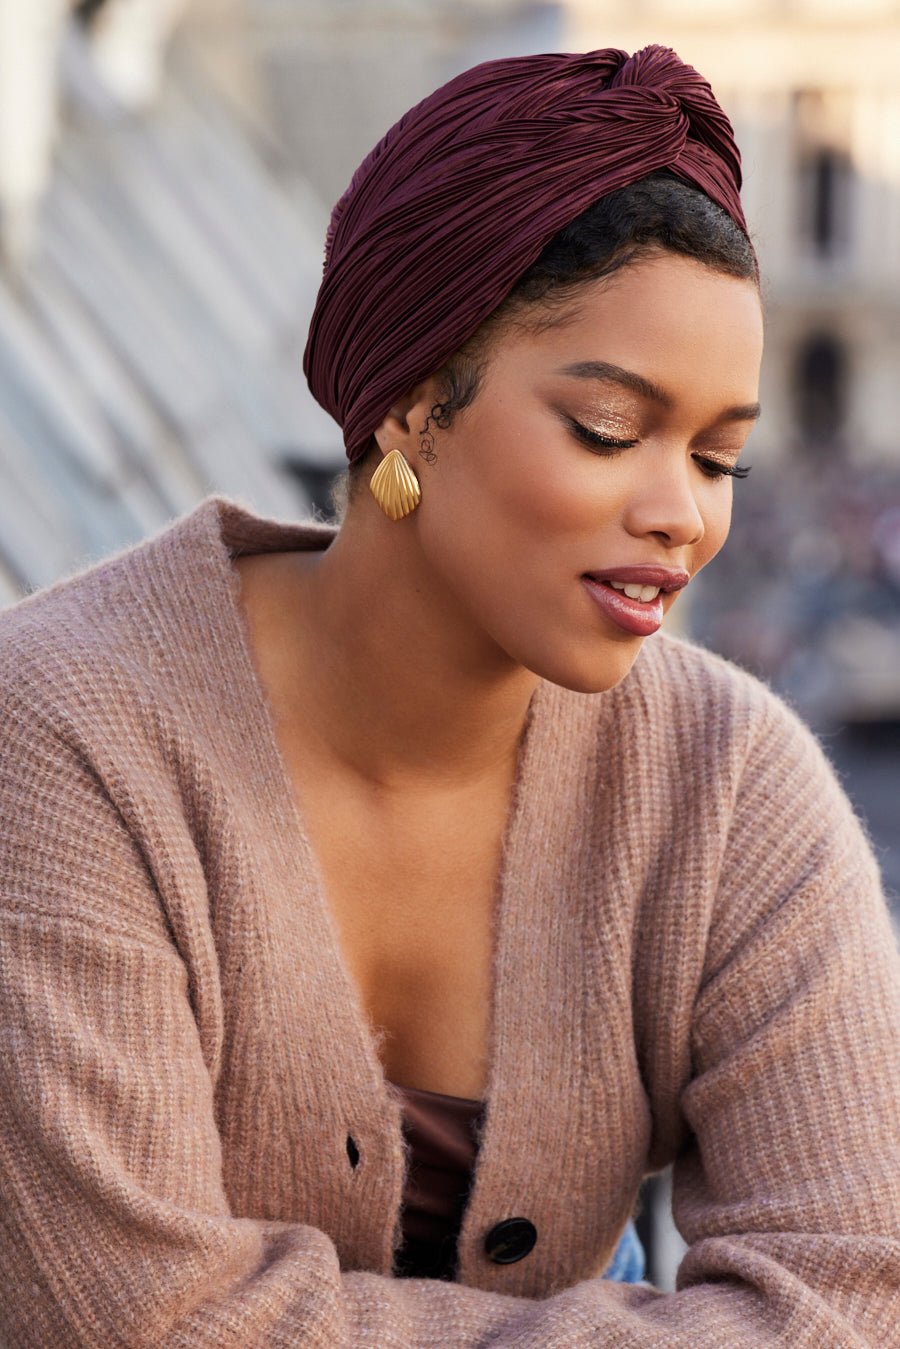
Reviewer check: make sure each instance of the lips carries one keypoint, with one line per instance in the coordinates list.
(634, 616)
(644, 574)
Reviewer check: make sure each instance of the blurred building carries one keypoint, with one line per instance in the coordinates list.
(812, 89)
(160, 259)
(340, 72)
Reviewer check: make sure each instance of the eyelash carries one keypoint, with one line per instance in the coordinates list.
(711, 467)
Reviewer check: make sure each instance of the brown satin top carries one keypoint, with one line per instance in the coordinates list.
(442, 1135)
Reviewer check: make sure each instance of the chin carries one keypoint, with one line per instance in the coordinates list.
(593, 672)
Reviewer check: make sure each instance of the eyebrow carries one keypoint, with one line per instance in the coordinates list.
(645, 388)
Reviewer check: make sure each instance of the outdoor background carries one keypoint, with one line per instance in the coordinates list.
(166, 172)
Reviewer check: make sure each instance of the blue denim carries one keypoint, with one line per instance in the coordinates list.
(628, 1264)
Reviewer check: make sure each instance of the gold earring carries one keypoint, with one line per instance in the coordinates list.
(395, 486)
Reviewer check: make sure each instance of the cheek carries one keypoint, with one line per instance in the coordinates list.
(716, 510)
(529, 479)
(717, 517)
(514, 517)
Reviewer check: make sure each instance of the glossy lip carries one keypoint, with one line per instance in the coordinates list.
(645, 575)
(632, 616)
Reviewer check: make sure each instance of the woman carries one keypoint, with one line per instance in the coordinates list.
(315, 840)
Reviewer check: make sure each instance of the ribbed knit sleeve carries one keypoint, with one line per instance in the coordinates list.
(115, 1228)
(789, 1193)
(788, 1189)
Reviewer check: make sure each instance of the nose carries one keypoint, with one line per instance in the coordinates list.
(664, 502)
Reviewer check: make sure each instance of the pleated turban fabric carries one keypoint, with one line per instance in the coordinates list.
(462, 194)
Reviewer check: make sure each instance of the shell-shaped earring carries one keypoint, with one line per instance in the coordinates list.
(395, 486)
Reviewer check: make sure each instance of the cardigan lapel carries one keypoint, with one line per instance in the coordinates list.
(547, 1084)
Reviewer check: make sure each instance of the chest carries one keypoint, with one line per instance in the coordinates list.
(411, 885)
(442, 966)
(409, 877)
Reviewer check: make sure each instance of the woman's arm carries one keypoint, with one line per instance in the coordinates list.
(790, 1190)
(114, 1225)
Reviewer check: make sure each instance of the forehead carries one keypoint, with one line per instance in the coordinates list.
(694, 331)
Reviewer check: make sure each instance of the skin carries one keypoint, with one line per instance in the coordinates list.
(399, 662)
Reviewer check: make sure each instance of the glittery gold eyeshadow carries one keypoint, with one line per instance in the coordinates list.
(611, 442)
(601, 439)
(609, 446)
(616, 431)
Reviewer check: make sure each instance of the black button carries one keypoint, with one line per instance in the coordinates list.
(352, 1151)
(510, 1240)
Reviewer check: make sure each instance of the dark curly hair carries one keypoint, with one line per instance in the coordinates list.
(658, 212)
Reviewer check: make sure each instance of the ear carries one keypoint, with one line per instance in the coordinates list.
(405, 420)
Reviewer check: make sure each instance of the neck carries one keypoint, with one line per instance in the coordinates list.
(394, 679)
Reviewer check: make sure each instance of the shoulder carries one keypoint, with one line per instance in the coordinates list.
(108, 716)
(712, 695)
(681, 703)
(100, 589)
(693, 684)
(699, 747)
(96, 636)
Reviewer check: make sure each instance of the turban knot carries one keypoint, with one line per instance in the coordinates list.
(462, 194)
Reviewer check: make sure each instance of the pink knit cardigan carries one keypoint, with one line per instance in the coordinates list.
(693, 964)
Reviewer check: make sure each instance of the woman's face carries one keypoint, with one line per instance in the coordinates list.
(662, 358)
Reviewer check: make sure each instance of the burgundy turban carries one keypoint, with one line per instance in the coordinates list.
(462, 194)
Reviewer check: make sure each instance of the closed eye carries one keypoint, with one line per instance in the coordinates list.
(594, 438)
(712, 468)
